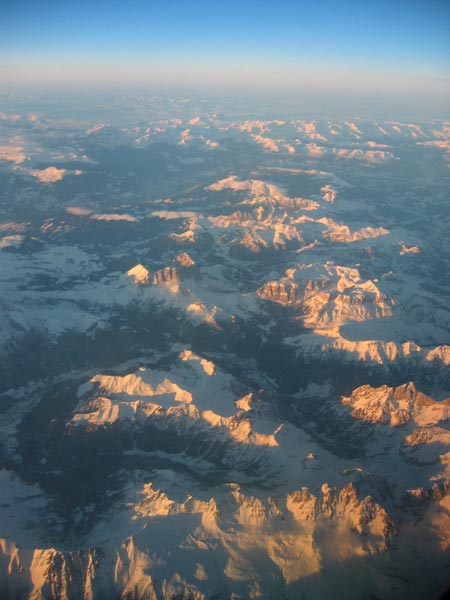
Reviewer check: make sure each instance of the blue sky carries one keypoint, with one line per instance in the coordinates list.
(106, 40)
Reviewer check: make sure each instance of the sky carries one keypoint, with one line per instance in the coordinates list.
(370, 46)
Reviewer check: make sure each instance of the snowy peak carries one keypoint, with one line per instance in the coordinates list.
(194, 398)
(396, 406)
(362, 515)
(139, 274)
(293, 535)
(185, 260)
(250, 187)
(335, 296)
(207, 366)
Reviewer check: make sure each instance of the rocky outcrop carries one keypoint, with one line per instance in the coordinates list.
(396, 406)
(232, 532)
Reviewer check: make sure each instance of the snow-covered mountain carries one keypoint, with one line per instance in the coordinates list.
(225, 354)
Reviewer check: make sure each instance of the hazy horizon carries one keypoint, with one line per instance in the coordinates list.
(75, 99)
(385, 58)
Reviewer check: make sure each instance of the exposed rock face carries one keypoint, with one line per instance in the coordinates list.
(90, 574)
(166, 275)
(185, 260)
(139, 274)
(396, 406)
(364, 516)
(336, 296)
(174, 403)
(440, 353)
(328, 194)
(284, 293)
(420, 499)
(287, 532)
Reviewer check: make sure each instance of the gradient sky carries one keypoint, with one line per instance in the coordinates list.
(404, 44)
